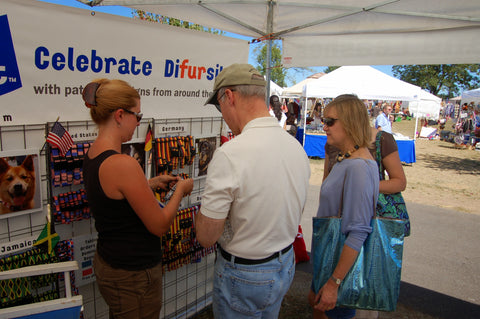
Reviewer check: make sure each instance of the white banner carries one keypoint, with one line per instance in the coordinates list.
(50, 52)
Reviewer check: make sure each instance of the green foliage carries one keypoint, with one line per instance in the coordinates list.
(447, 80)
(152, 17)
(277, 72)
(330, 69)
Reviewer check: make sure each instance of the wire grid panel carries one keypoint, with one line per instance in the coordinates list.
(188, 290)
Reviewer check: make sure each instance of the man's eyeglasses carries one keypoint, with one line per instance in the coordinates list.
(217, 105)
(329, 121)
(138, 115)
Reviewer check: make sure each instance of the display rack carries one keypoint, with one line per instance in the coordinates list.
(188, 279)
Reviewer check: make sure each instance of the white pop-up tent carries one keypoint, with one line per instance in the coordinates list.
(275, 89)
(363, 81)
(471, 96)
(296, 90)
(428, 106)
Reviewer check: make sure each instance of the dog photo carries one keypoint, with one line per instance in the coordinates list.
(205, 149)
(20, 190)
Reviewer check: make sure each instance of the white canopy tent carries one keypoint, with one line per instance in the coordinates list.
(428, 106)
(275, 89)
(296, 90)
(471, 96)
(363, 81)
(339, 32)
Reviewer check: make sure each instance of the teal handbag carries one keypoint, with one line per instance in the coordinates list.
(373, 282)
(389, 205)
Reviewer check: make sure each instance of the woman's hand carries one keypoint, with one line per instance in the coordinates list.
(185, 186)
(326, 297)
(163, 182)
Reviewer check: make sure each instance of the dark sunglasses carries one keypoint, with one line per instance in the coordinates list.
(329, 121)
(138, 115)
(217, 105)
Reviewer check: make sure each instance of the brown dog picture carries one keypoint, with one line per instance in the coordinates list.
(18, 186)
(205, 149)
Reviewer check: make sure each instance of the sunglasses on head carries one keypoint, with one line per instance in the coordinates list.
(329, 121)
(138, 115)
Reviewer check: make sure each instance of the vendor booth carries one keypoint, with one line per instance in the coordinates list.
(315, 146)
(43, 69)
(367, 83)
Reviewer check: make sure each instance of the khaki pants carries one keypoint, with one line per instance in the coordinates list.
(130, 294)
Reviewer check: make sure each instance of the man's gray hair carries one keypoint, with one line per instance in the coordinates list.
(245, 90)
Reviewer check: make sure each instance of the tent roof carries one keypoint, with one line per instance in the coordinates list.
(296, 90)
(471, 96)
(275, 89)
(363, 81)
(340, 32)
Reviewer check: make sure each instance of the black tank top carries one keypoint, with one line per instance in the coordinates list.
(123, 240)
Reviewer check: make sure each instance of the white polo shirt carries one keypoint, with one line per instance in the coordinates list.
(258, 181)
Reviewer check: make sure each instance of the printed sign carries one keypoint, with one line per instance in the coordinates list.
(83, 251)
(50, 52)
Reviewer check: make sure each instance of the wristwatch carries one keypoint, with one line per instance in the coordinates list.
(336, 280)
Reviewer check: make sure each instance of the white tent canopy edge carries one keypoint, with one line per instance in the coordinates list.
(339, 32)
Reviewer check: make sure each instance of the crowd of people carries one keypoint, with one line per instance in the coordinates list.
(252, 203)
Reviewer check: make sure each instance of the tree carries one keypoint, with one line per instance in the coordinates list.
(447, 80)
(152, 17)
(277, 72)
(330, 69)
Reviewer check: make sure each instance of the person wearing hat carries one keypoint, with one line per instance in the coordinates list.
(254, 195)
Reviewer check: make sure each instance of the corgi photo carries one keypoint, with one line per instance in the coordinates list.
(17, 185)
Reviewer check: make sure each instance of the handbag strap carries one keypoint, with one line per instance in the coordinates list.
(378, 155)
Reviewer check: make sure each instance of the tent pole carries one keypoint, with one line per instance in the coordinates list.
(416, 126)
(305, 120)
(269, 48)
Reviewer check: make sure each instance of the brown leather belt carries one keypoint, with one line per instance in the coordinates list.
(244, 261)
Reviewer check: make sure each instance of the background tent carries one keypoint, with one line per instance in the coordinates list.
(363, 81)
(427, 106)
(471, 96)
(296, 90)
(275, 89)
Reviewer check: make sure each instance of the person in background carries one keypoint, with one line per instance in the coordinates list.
(275, 110)
(383, 121)
(291, 123)
(351, 188)
(254, 195)
(128, 218)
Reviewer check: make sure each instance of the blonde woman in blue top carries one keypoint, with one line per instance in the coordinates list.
(351, 186)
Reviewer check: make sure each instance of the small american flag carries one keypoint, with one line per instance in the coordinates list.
(60, 138)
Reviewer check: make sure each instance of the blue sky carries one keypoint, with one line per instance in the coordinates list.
(292, 77)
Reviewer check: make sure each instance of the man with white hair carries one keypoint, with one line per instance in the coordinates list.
(254, 195)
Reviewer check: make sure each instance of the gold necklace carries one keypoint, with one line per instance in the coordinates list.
(341, 157)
